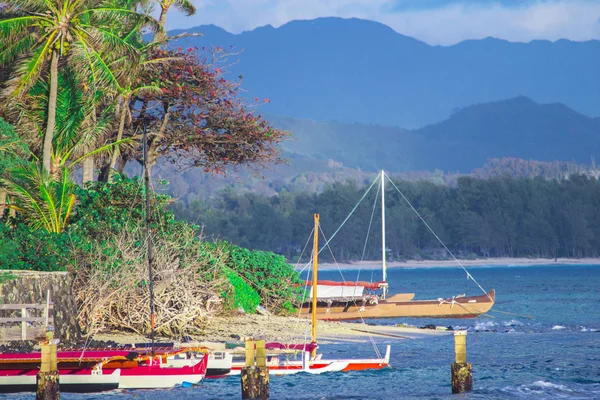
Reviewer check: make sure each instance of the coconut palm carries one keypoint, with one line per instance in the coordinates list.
(43, 35)
(81, 130)
(43, 202)
(184, 6)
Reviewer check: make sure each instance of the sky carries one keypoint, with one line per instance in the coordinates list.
(443, 22)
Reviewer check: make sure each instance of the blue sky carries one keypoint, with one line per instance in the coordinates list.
(433, 21)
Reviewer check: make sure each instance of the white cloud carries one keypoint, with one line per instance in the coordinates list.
(570, 19)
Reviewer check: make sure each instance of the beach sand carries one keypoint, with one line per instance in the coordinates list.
(285, 330)
(466, 263)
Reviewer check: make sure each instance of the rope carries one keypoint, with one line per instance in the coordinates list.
(349, 215)
(469, 276)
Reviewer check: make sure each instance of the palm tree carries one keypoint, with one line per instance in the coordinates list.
(79, 33)
(185, 6)
(43, 201)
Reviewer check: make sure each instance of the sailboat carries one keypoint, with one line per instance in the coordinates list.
(312, 362)
(359, 299)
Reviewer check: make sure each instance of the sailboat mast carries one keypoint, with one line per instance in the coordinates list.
(314, 282)
(149, 235)
(383, 252)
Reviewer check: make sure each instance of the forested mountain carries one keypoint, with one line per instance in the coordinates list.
(497, 217)
(520, 137)
(516, 127)
(355, 70)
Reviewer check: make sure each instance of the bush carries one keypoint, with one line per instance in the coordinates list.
(24, 249)
(241, 294)
(268, 274)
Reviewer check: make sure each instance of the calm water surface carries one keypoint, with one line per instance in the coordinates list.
(554, 355)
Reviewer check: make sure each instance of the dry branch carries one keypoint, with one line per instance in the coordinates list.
(111, 286)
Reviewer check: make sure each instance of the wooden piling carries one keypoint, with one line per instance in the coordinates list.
(48, 377)
(462, 371)
(255, 378)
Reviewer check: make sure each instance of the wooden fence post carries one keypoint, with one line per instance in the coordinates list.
(24, 315)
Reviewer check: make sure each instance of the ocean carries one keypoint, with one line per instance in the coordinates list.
(555, 354)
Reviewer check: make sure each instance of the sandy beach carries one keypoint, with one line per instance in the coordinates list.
(484, 262)
(285, 330)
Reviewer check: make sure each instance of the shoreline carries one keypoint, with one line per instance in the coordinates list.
(490, 262)
(285, 330)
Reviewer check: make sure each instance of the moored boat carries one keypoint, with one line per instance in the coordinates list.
(128, 369)
(358, 300)
(71, 380)
(279, 359)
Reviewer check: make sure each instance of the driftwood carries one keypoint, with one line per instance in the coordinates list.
(112, 291)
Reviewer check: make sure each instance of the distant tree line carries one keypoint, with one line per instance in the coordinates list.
(497, 217)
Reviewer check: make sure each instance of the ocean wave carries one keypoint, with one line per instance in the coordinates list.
(484, 326)
(541, 387)
(558, 327)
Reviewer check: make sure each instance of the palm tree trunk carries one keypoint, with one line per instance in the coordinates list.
(122, 163)
(161, 36)
(2, 202)
(47, 149)
(115, 155)
(88, 169)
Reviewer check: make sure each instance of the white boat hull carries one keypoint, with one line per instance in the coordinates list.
(76, 383)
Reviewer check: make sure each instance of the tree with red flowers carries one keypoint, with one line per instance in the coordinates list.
(198, 118)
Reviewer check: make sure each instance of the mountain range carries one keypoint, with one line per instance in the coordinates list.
(322, 152)
(352, 70)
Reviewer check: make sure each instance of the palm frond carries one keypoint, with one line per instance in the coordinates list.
(29, 69)
(122, 16)
(11, 29)
(102, 75)
(12, 49)
(44, 203)
(185, 6)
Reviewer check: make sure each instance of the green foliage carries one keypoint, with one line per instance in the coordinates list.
(242, 295)
(37, 250)
(13, 150)
(497, 217)
(43, 201)
(266, 273)
(111, 206)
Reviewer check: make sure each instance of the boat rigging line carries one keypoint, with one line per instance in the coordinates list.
(469, 276)
(377, 352)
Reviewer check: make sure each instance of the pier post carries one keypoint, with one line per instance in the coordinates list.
(462, 371)
(47, 378)
(255, 376)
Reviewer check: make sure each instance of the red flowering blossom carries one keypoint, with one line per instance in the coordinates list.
(199, 118)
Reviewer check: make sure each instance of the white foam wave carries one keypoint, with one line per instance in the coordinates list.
(512, 322)
(550, 385)
(585, 329)
(558, 327)
(484, 326)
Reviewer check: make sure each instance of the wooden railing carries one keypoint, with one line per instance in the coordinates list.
(30, 325)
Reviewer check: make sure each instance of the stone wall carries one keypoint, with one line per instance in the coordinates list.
(31, 288)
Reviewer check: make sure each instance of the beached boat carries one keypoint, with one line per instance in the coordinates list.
(356, 300)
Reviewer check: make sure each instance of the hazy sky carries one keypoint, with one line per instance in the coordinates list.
(433, 21)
